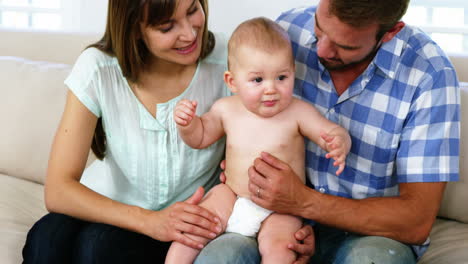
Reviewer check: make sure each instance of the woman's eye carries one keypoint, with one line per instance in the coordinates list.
(193, 11)
(165, 28)
(281, 77)
(258, 80)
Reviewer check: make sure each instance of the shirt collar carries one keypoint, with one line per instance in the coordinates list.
(308, 28)
(387, 57)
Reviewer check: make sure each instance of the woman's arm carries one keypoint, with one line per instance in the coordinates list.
(65, 194)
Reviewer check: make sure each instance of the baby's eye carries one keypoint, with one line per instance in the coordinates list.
(258, 79)
(281, 77)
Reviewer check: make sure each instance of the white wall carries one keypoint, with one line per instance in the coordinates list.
(86, 16)
(225, 15)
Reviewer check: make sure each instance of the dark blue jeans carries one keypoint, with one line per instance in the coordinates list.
(57, 238)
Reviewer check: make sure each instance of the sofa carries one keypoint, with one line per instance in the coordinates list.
(32, 95)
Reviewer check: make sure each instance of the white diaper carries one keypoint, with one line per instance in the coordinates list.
(246, 217)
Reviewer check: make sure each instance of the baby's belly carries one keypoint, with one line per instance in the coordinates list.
(238, 163)
(238, 182)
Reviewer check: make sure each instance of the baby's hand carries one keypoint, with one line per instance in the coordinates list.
(184, 112)
(338, 147)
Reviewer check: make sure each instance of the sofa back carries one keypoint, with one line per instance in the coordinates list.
(33, 66)
(456, 193)
(32, 97)
(45, 46)
(31, 102)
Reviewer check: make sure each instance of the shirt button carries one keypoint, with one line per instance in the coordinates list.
(322, 190)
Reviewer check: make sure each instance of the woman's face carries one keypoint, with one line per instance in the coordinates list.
(178, 40)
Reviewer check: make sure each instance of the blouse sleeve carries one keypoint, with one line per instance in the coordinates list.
(83, 80)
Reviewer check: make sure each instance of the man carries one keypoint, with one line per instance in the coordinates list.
(396, 92)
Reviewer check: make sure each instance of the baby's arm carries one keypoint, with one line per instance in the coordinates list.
(328, 135)
(198, 132)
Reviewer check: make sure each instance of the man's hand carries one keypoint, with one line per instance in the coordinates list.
(184, 112)
(275, 186)
(306, 249)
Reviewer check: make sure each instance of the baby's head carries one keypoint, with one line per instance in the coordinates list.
(261, 66)
(258, 34)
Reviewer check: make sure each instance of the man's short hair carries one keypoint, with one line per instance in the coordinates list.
(360, 13)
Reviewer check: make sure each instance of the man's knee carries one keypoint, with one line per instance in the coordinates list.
(230, 248)
(373, 249)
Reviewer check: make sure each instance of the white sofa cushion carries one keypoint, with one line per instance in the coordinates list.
(32, 101)
(449, 243)
(21, 205)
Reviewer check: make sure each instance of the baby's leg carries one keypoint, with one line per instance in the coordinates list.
(276, 233)
(218, 200)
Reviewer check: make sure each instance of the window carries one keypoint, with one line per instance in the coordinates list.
(54, 15)
(31, 14)
(445, 21)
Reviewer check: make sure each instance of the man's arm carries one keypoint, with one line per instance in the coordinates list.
(407, 218)
(198, 132)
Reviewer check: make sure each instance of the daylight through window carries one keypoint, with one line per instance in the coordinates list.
(31, 14)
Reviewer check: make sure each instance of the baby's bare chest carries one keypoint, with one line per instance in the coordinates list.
(253, 136)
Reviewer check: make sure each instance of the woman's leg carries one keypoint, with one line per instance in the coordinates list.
(51, 239)
(62, 239)
(100, 243)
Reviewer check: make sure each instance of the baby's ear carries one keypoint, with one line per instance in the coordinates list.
(229, 80)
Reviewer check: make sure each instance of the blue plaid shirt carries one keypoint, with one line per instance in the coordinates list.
(402, 112)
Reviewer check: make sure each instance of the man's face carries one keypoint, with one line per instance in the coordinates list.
(341, 46)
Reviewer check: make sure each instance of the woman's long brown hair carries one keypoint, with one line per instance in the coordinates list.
(121, 40)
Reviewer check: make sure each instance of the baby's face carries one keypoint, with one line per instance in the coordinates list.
(264, 80)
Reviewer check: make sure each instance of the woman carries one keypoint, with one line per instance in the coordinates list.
(126, 208)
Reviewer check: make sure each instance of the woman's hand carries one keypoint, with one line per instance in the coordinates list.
(306, 249)
(222, 176)
(182, 218)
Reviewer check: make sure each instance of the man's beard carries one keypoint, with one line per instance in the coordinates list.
(340, 65)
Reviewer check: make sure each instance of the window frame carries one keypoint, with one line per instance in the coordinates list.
(69, 12)
(434, 29)
(449, 4)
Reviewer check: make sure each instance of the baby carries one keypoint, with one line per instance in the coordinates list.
(263, 115)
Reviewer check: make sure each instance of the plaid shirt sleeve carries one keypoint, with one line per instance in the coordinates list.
(429, 143)
(403, 114)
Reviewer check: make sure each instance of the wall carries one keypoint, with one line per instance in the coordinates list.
(225, 15)
(86, 16)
